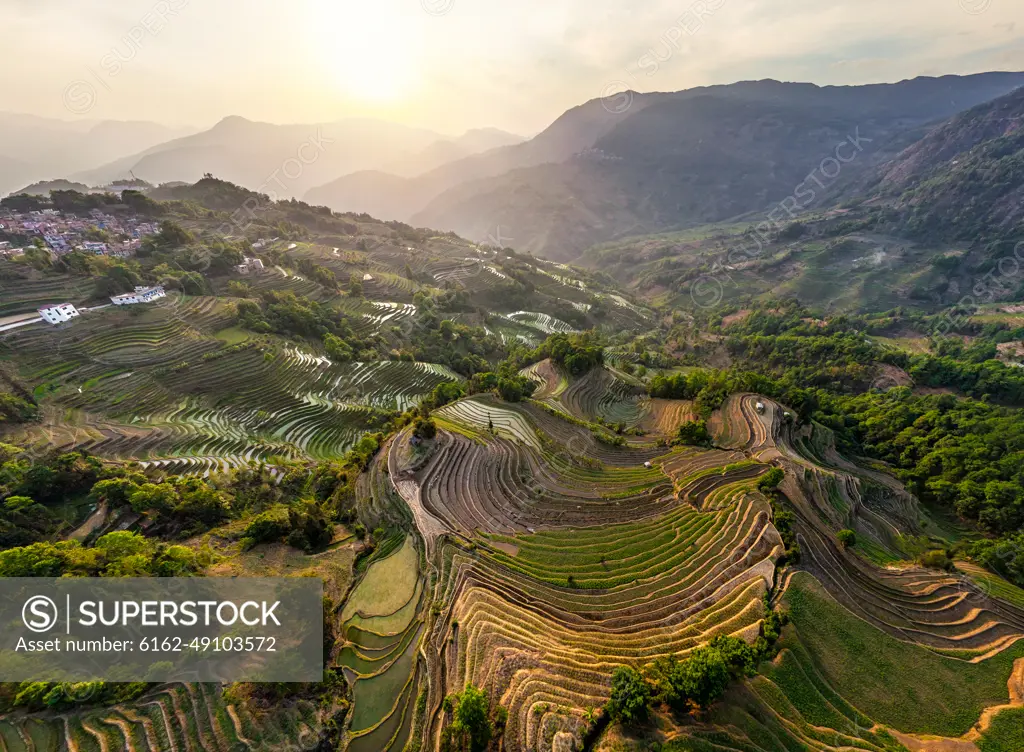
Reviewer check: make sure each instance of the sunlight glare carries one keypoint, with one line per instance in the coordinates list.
(369, 49)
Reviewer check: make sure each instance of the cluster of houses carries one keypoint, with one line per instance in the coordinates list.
(64, 312)
(8, 251)
(64, 233)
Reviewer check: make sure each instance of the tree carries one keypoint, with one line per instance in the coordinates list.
(16, 410)
(630, 696)
(446, 392)
(121, 544)
(771, 480)
(115, 491)
(515, 388)
(202, 503)
(705, 676)
(698, 680)
(337, 348)
(695, 433)
(271, 525)
(471, 728)
(141, 204)
(311, 530)
(847, 538)
(424, 428)
(152, 496)
(172, 235)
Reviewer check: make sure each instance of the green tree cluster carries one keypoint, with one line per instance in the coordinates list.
(694, 682)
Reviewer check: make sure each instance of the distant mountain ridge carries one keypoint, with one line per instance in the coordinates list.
(289, 159)
(394, 197)
(962, 181)
(34, 149)
(699, 156)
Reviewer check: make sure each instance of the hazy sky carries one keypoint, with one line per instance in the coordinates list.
(457, 64)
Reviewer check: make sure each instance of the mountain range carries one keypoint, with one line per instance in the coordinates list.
(97, 153)
(934, 226)
(682, 159)
(601, 172)
(290, 159)
(35, 148)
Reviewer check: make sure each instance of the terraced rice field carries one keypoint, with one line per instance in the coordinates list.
(912, 700)
(600, 395)
(390, 313)
(930, 608)
(664, 416)
(382, 624)
(19, 295)
(542, 322)
(555, 558)
(158, 384)
(482, 413)
(182, 717)
(526, 556)
(547, 648)
(550, 380)
(584, 558)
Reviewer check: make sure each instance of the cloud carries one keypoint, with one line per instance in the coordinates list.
(482, 62)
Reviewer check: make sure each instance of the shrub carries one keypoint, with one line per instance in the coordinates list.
(704, 676)
(310, 528)
(515, 388)
(847, 538)
(936, 559)
(424, 428)
(472, 726)
(272, 525)
(701, 678)
(771, 480)
(630, 696)
(695, 433)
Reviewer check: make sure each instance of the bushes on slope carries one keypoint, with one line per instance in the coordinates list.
(117, 554)
(631, 695)
(303, 526)
(693, 683)
(473, 723)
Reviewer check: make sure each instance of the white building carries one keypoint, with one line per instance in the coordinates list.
(58, 314)
(250, 265)
(141, 295)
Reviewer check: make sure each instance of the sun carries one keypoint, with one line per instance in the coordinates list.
(369, 49)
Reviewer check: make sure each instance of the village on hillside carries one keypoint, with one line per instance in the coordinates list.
(97, 232)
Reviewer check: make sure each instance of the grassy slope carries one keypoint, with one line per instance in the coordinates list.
(901, 685)
(1006, 734)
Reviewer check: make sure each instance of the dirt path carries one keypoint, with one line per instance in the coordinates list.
(1015, 686)
(94, 521)
(430, 527)
(933, 745)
